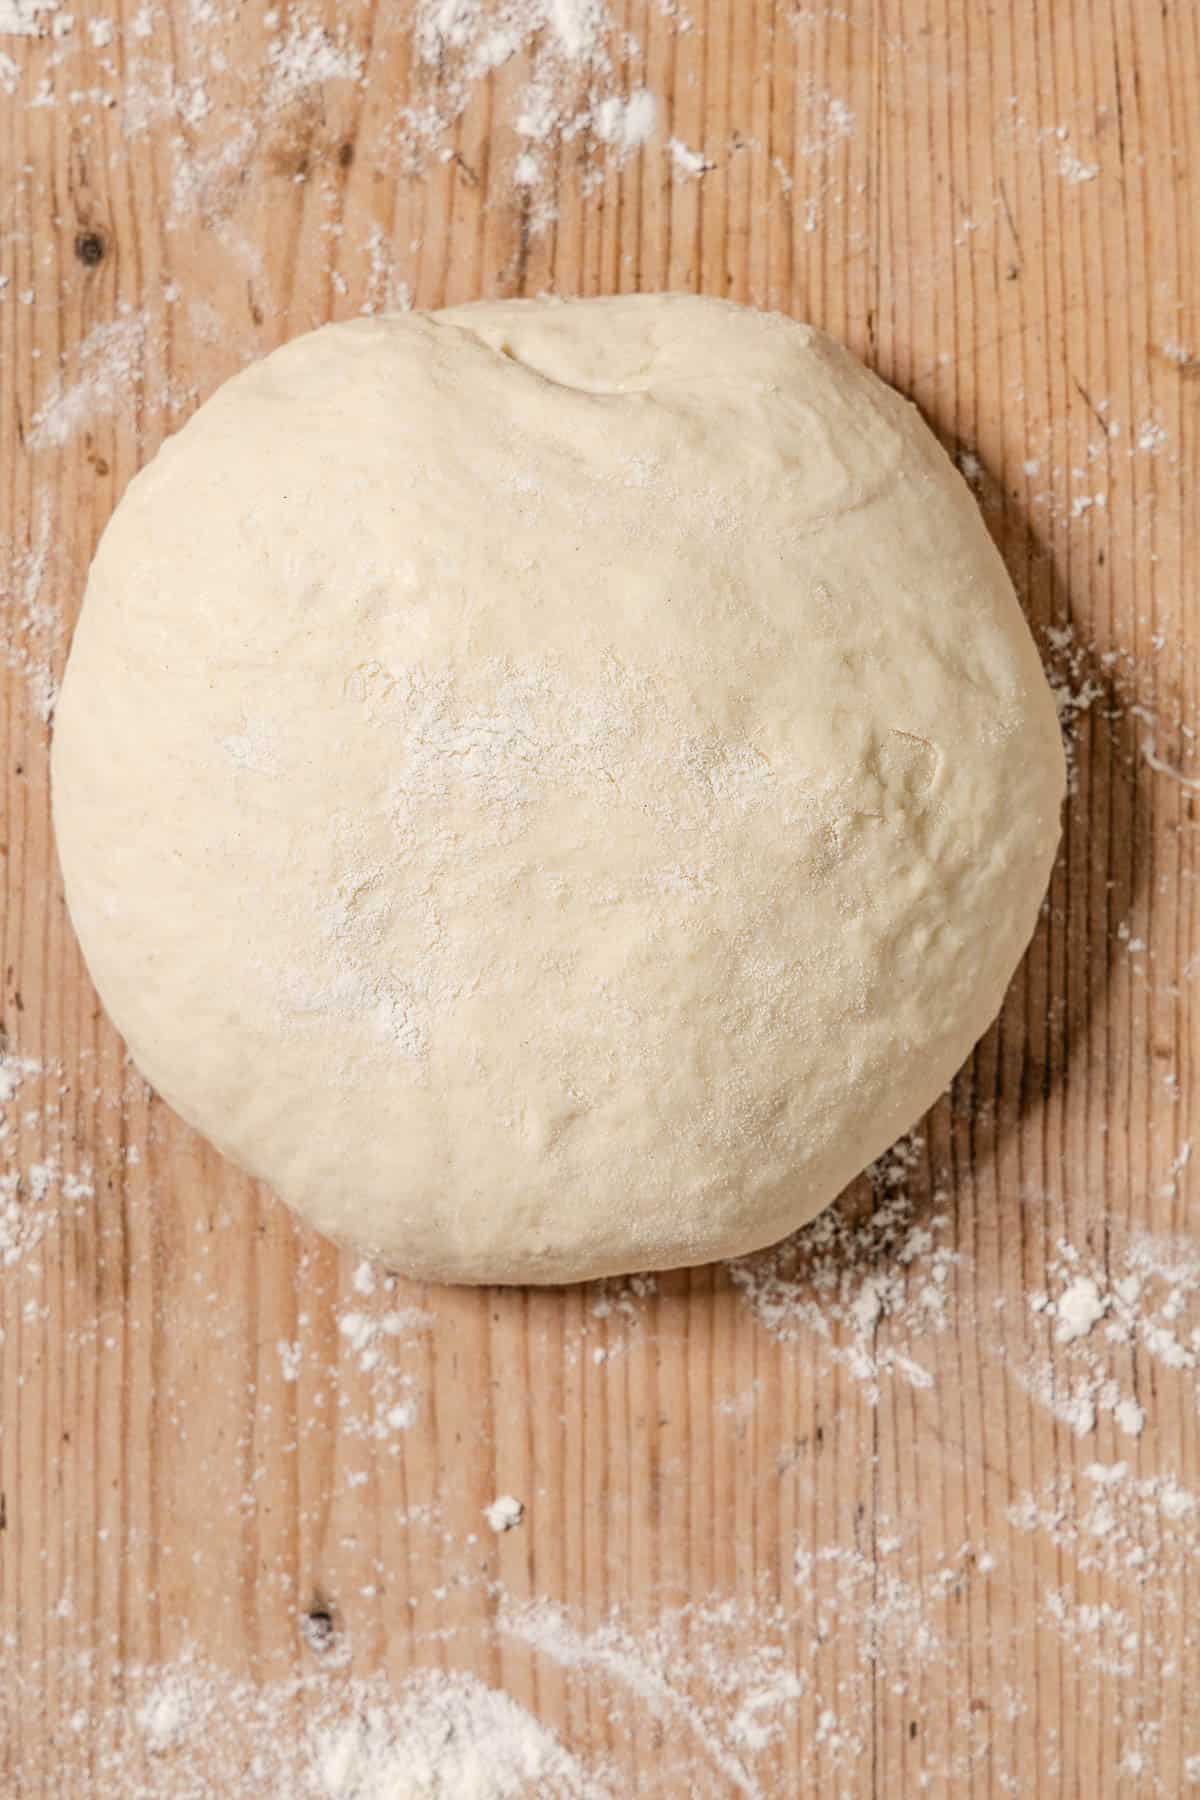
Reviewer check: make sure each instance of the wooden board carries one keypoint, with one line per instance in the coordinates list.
(861, 1518)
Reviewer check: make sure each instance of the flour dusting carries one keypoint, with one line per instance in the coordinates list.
(581, 103)
(1073, 169)
(626, 124)
(26, 18)
(579, 86)
(31, 627)
(687, 162)
(1075, 681)
(732, 1678)
(40, 1179)
(866, 1292)
(446, 1737)
(504, 1513)
(107, 371)
(379, 1338)
(1078, 1308)
(306, 57)
(676, 1671)
(436, 1736)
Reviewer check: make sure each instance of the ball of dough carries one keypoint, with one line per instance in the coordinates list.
(553, 788)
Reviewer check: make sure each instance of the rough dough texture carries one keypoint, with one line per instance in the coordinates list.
(554, 788)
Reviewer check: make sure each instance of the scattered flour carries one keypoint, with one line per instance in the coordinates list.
(687, 162)
(504, 1513)
(25, 18)
(377, 1341)
(1130, 1417)
(578, 86)
(175, 1704)
(619, 1296)
(1152, 1302)
(31, 628)
(617, 1312)
(1080, 1399)
(868, 1291)
(385, 291)
(1055, 139)
(1142, 1530)
(1147, 1309)
(1079, 1307)
(38, 1181)
(736, 1677)
(1075, 682)
(447, 1737)
(828, 122)
(1071, 1401)
(438, 1736)
(1161, 766)
(366, 1333)
(1102, 1636)
(655, 1668)
(307, 57)
(108, 370)
(1073, 170)
(626, 124)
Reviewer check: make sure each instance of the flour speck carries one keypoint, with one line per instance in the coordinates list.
(504, 1513)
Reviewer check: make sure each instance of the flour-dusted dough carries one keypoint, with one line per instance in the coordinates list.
(554, 788)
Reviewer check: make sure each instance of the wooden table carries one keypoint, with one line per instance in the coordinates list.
(876, 1515)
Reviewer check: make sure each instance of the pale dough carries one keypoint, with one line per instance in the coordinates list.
(554, 788)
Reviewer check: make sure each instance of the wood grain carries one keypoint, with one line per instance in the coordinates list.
(996, 207)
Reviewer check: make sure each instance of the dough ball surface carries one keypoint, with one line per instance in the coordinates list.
(553, 788)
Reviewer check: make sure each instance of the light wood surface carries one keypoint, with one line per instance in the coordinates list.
(725, 1481)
